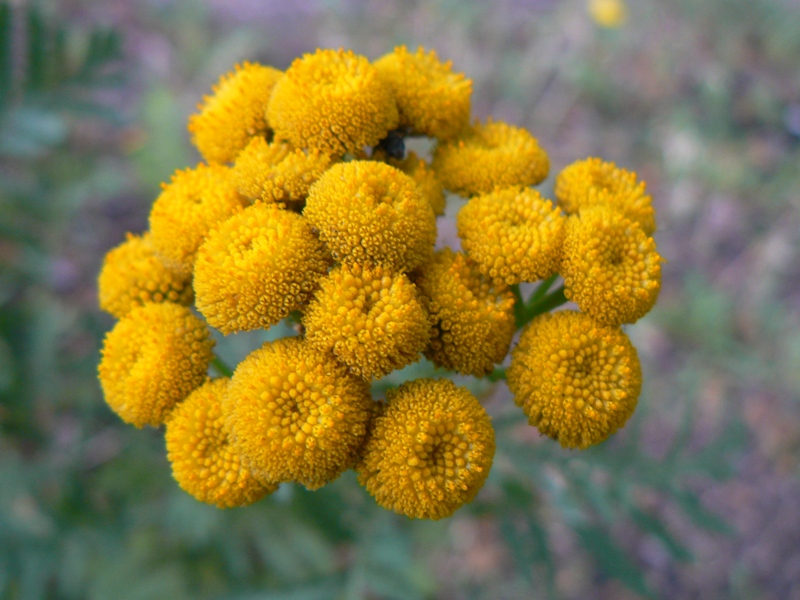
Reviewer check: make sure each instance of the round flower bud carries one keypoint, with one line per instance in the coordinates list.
(256, 268)
(203, 462)
(133, 274)
(430, 450)
(513, 234)
(235, 113)
(152, 359)
(577, 381)
(296, 414)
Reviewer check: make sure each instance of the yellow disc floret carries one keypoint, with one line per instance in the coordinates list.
(134, 274)
(256, 268)
(590, 182)
(577, 381)
(431, 98)
(611, 269)
(488, 157)
(235, 113)
(203, 462)
(513, 234)
(152, 359)
(296, 414)
(473, 319)
(430, 450)
(370, 212)
(333, 101)
(370, 318)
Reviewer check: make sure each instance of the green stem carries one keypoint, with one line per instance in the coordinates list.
(221, 367)
(496, 375)
(541, 290)
(542, 305)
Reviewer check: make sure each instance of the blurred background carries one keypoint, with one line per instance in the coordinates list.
(698, 497)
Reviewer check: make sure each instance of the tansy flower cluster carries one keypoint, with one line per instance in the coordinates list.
(308, 208)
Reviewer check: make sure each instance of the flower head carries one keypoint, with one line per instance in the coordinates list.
(513, 234)
(370, 318)
(429, 451)
(296, 414)
(333, 101)
(256, 268)
(203, 462)
(133, 274)
(611, 269)
(432, 100)
(370, 212)
(235, 113)
(488, 157)
(473, 319)
(608, 13)
(577, 381)
(592, 182)
(427, 183)
(152, 359)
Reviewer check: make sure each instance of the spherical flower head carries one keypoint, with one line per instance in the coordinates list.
(296, 414)
(370, 212)
(333, 101)
(591, 182)
(427, 182)
(235, 113)
(274, 172)
(133, 274)
(429, 452)
(256, 268)
(611, 269)
(203, 462)
(608, 13)
(473, 318)
(152, 359)
(432, 100)
(513, 234)
(188, 207)
(488, 157)
(370, 318)
(576, 380)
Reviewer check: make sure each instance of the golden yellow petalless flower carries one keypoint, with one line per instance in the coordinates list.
(334, 101)
(592, 182)
(611, 269)
(203, 462)
(513, 234)
(133, 274)
(473, 319)
(370, 318)
(428, 184)
(152, 359)
(256, 268)
(488, 157)
(193, 202)
(273, 172)
(432, 100)
(430, 450)
(577, 381)
(296, 414)
(608, 13)
(235, 112)
(370, 212)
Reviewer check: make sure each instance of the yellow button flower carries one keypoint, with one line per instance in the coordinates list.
(152, 359)
(133, 274)
(473, 319)
(203, 462)
(431, 98)
(296, 414)
(608, 13)
(430, 450)
(235, 112)
(370, 318)
(577, 381)
(611, 269)
(256, 268)
(513, 234)
(590, 182)
(370, 212)
(488, 157)
(333, 101)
